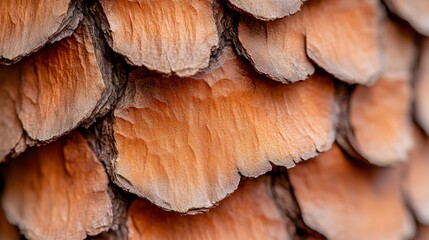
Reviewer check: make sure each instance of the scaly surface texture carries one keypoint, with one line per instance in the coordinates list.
(344, 201)
(380, 115)
(340, 36)
(28, 25)
(59, 191)
(182, 142)
(249, 213)
(61, 86)
(276, 48)
(268, 10)
(168, 36)
(381, 122)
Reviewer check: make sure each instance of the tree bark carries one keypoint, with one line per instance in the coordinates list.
(214, 119)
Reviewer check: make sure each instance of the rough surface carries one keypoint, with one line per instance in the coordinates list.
(268, 10)
(40, 21)
(276, 48)
(344, 201)
(63, 86)
(415, 184)
(341, 36)
(182, 142)
(416, 12)
(168, 36)
(380, 115)
(380, 119)
(59, 191)
(422, 88)
(10, 126)
(249, 213)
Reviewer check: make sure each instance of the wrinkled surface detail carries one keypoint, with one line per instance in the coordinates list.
(340, 36)
(268, 9)
(58, 191)
(61, 86)
(28, 25)
(182, 142)
(168, 36)
(249, 213)
(344, 201)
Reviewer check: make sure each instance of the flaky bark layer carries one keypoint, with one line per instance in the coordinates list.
(67, 84)
(380, 119)
(10, 126)
(168, 36)
(376, 125)
(345, 201)
(181, 142)
(276, 48)
(62, 80)
(268, 10)
(59, 191)
(28, 25)
(341, 36)
(249, 213)
(416, 12)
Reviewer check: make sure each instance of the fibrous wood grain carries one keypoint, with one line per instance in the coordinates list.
(10, 126)
(28, 25)
(380, 115)
(416, 177)
(422, 88)
(268, 10)
(181, 142)
(341, 36)
(416, 12)
(65, 85)
(249, 213)
(173, 36)
(344, 201)
(58, 191)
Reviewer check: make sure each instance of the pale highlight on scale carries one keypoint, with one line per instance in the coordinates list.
(168, 36)
(380, 115)
(268, 9)
(339, 36)
(61, 182)
(28, 25)
(343, 201)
